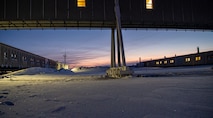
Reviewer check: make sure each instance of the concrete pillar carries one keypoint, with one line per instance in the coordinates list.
(113, 64)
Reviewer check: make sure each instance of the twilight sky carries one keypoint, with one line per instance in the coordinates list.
(92, 47)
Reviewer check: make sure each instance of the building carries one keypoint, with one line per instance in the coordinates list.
(13, 58)
(204, 58)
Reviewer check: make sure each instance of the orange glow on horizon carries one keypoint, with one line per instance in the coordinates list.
(131, 58)
(102, 61)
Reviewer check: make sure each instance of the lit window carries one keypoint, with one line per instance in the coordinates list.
(165, 62)
(187, 59)
(160, 62)
(149, 4)
(81, 3)
(172, 61)
(198, 58)
(157, 62)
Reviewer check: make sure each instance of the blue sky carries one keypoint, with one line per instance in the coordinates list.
(92, 47)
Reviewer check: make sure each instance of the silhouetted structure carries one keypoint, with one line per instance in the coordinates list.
(202, 58)
(189, 14)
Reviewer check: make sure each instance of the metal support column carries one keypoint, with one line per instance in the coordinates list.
(119, 33)
(118, 50)
(121, 70)
(113, 64)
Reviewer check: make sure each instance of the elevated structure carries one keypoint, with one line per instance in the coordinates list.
(29, 14)
(177, 14)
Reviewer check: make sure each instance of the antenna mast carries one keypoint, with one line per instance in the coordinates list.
(65, 56)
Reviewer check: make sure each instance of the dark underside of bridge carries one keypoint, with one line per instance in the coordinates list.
(42, 14)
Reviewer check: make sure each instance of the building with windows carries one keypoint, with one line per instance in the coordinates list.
(203, 58)
(12, 58)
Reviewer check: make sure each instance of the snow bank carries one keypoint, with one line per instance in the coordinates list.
(175, 71)
(49, 74)
(39, 70)
(34, 71)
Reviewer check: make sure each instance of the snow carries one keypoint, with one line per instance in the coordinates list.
(174, 71)
(181, 92)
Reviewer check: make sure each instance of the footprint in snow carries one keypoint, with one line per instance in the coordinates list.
(59, 109)
(3, 97)
(8, 103)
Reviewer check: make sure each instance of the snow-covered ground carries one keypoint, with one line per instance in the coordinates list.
(179, 92)
(174, 71)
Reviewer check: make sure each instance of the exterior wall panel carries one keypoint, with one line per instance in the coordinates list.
(165, 13)
(98, 10)
(125, 10)
(24, 9)
(109, 11)
(135, 9)
(11, 9)
(86, 13)
(187, 11)
(1, 9)
(202, 11)
(177, 11)
(49, 9)
(37, 8)
(62, 9)
(74, 11)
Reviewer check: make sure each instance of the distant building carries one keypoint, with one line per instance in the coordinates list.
(62, 66)
(199, 58)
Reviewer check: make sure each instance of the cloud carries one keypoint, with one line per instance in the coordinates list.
(79, 56)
